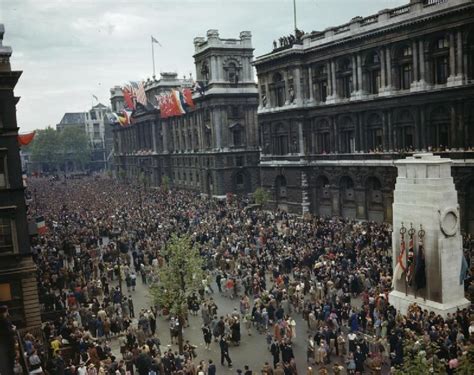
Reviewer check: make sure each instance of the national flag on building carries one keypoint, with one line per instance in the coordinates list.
(26, 138)
(41, 225)
(177, 106)
(141, 95)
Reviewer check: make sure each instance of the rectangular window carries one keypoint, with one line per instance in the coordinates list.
(6, 233)
(3, 171)
(405, 77)
(441, 70)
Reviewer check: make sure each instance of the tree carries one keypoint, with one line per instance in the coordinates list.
(45, 147)
(165, 183)
(466, 362)
(75, 146)
(178, 278)
(261, 196)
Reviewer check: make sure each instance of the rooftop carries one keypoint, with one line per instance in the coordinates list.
(73, 118)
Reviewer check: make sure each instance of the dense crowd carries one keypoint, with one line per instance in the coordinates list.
(335, 273)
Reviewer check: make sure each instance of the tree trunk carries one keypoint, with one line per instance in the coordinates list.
(180, 333)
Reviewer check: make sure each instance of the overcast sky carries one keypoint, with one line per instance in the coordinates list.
(70, 50)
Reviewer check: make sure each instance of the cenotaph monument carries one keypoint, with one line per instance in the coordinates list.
(426, 239)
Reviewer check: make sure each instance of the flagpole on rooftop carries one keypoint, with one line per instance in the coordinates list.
(153, 56)
(294, 14)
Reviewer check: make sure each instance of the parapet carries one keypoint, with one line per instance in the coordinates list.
(213, 40)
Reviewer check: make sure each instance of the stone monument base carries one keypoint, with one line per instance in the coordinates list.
(401, 302)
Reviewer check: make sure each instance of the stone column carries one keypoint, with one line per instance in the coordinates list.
(423, 140)
(453, 128)
(385, 133)
(301, 137)
(333, 77)
(213, 68)
(415, 61)
(153, 136)
(310, 83)
(355, 86)
(164, 130)
(388, 58)
(382, 70)
(421, 50)
(459, 57)
(359, 73)
(287, 87)
(391, 135)
(218, 68)
(267, 93)
(336, 135)
(215, 113)
(452, 56)
(336, 204)
(330, 89)
(297, 86)
(260, 93)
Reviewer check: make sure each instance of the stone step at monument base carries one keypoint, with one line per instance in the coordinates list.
(401, 302)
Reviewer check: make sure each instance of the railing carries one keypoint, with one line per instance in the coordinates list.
(428, 3)
(369, 20)
(399, 11)
(342, 29)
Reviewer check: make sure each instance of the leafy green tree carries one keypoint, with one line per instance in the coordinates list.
(75, 146)
(261, 196)
(45, 147)
(178, 278)
(466, 362)
(165, 183)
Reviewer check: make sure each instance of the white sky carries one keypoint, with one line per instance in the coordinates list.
(70, 50)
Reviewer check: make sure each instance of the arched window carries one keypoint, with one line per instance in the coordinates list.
(404, 67)
(374, 133)
(280, 187)
(320, 83)
(347, 189)
(372, 72)
(344, 78)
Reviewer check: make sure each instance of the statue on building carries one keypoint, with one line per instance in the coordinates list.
(291, 94)
(205, 71)
(275, 44)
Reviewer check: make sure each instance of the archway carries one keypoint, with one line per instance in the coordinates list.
(322, 197)
(347, 197)
(374, 199)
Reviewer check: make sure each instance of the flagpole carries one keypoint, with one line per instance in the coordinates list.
(153, 56)
(294, 14)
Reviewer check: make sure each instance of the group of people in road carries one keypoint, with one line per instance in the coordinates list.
(105, 237)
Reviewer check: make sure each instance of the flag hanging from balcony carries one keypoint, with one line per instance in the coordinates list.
(25, 139)
(41, 225)
(400, 267)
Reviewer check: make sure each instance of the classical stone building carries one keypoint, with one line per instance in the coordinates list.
(18, 288)
(337, 107)
(212, 149)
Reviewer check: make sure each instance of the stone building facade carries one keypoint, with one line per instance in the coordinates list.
(18, 287)
(212, 149)
(337, 107)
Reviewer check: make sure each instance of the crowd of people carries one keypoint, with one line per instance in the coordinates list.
(334, 273)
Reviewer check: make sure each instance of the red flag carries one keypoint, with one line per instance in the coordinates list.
(400, 266)
(25, 139)
(410, 268)
(128, 97)
(188, 97)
